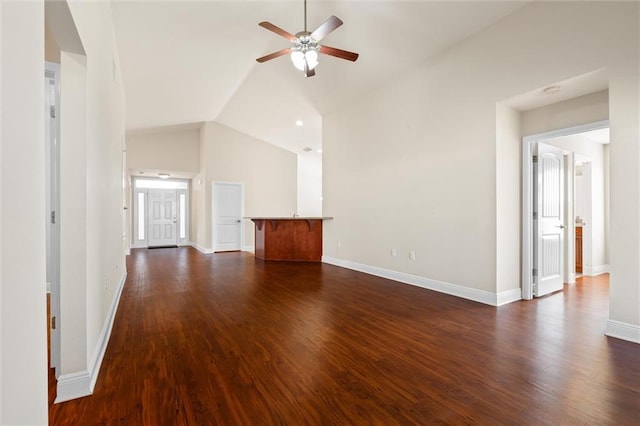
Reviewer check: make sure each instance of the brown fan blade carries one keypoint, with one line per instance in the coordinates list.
(269, 26)
(329, 25)
(274, 55)
(339, 53)
(308, 72)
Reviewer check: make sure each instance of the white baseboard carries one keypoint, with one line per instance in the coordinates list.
(508, 296)
(73, 385)
(81, 383)
(201, 249)
(250, 249)
(623, 330)
(481, 296)
(597, 270)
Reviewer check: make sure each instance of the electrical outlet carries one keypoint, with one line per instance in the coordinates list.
(412, 255)
(393, 253)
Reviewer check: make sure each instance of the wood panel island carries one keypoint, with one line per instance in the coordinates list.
(289, 238)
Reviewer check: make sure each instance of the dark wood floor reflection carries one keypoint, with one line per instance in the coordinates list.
(227, 339)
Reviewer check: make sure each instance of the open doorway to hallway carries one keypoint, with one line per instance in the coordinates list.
(585, 149)
(587, 202)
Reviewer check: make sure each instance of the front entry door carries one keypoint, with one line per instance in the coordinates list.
(162, 217)
(227, 215)
(548, 214)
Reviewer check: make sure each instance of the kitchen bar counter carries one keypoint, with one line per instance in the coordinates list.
(289, 238)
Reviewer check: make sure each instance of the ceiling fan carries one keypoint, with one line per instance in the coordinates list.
(306, 45)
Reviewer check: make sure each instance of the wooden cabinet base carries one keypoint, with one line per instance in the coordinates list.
(288, 239)
(579, 249)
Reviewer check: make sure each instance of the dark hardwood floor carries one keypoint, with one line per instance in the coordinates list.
(226, 339)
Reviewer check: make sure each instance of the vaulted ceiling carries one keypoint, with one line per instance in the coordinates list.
(192, 61)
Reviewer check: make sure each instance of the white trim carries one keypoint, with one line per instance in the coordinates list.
(596, 270)
(623, 330)
(81, 383)
(73, 385)
(527, 195)
(480, 296)
(201, 249)
(508, 296)
(250, 249)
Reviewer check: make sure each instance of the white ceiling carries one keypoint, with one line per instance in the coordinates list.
(193, 61)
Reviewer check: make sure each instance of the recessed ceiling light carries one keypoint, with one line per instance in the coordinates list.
(319, 151)
(163, 175)
(299, 123)
(551, 90)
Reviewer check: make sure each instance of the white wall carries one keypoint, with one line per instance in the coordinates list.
(268, 173)
(73, 214)
(589, 108)
(508, 147)
(92, 188)
(175, 149)
(412, 166)
(51, 48)
(197, 198)
(309, 184)
(23, 356)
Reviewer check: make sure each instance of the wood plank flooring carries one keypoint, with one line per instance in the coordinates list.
(227, 339)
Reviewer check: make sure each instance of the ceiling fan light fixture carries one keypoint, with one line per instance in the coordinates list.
(298, 58)
(306, 48)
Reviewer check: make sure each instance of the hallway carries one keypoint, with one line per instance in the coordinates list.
(227, 339)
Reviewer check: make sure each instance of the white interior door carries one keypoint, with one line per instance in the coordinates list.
(227, 216)
(548, 220)
(162, 217)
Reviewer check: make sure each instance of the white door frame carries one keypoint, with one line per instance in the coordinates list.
(214, 208)
(528, 144)
(52, 212)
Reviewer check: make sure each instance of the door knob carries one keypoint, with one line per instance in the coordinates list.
(561, 226)
(238, 220)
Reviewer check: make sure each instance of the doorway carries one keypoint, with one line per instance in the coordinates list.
(530, 259)
(227, 216)
(160, 213)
